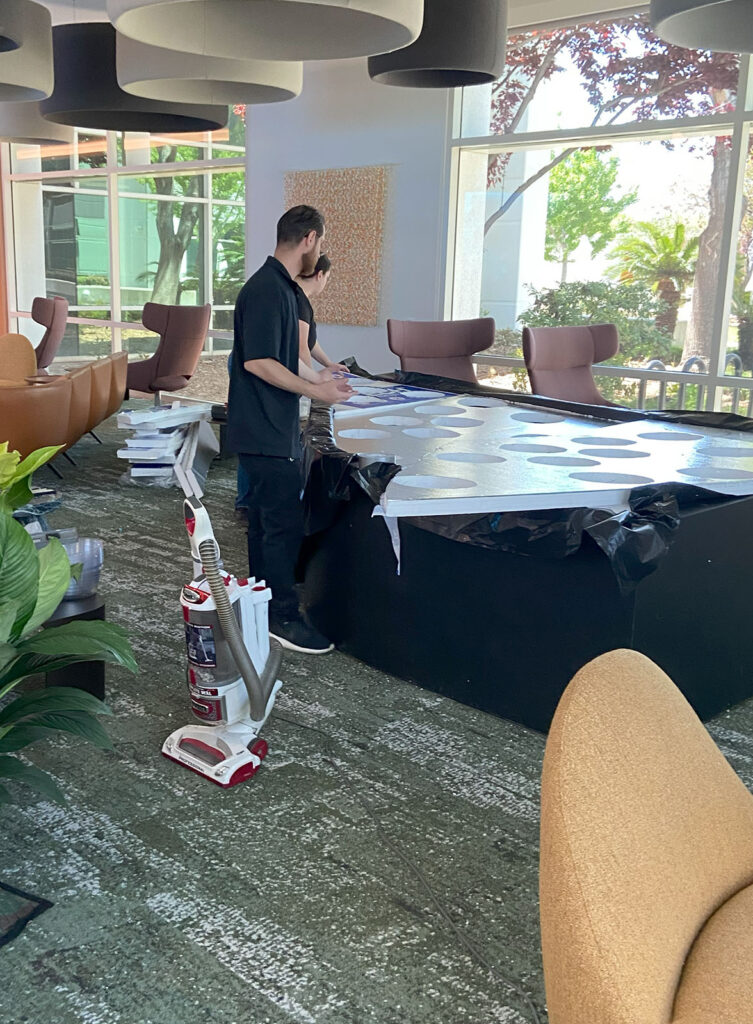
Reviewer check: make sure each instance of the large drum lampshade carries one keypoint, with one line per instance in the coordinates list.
(462, 43)
(87, 94)
(22, 122)
(270, 29)
(724, 25)
(26, 69)
(156, 73)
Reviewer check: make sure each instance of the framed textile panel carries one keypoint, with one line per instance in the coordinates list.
(353, 201)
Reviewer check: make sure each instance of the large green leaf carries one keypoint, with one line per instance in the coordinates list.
(19, 736)
(15, 474)
(80, 723)
(9, 462)
(54, 577)
(8, 614)
(52, 698)
(59, 646)
(19, 570)
(12, 768)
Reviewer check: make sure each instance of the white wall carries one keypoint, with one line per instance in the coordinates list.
(343, 119)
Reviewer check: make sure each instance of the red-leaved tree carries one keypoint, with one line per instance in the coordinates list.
(628, 74)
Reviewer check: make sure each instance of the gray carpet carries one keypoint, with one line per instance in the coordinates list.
(383, 859)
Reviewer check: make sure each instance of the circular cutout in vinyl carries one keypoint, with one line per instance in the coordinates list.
(439, 410)
(396, 421)
(476, 402)
(611, 478)
(671, 435)
(541, 449)
(613, 442)
(537, 417)
(477, 457)
(615, 453)
(433, 483)
(430, 432)
(562, 460)
(718, 473)
(456, 421)
(724, 452)
(362, 434)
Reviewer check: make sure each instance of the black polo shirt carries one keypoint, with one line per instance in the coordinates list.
(306, 313)
(261, 418)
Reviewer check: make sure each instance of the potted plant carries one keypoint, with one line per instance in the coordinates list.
(32, 584)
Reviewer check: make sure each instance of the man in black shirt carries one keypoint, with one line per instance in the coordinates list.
(266, 380)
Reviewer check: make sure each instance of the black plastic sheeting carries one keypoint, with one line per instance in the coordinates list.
(634, 540)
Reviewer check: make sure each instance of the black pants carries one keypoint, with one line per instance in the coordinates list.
(275, 525)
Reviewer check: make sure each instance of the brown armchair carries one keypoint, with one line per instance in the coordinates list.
(646, 880)
(182, 331)
(443, 348)
(35, 415)
(17, 359)
(52, 314)
(559, 360)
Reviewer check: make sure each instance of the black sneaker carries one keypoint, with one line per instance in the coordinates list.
(295, 635)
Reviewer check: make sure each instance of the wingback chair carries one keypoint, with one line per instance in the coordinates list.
(559, 360)
(182, 331)
(443, 348)
(646, 873)
(52, 314)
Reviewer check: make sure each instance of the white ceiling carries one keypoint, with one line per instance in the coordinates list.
(522, 12)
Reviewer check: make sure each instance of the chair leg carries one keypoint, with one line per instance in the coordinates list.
(55, 470)
(69, 458)
(97, 439)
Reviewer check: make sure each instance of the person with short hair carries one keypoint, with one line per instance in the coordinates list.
(311, 286)
(266, 380)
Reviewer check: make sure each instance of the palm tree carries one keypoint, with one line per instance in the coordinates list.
(661, 257)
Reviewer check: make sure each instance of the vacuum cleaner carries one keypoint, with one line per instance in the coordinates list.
(232, 664)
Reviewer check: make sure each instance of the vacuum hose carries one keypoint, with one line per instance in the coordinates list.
(258, 688)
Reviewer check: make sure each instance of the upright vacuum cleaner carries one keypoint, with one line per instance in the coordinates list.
(232, 667)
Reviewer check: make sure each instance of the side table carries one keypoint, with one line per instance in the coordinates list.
(86, 675)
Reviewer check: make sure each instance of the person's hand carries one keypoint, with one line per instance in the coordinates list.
(329, 373)
(338, 367)
(334, 391)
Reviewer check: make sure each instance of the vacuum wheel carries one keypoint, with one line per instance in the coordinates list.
(260, 748)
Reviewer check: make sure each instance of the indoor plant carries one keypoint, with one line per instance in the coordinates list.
(32, 584)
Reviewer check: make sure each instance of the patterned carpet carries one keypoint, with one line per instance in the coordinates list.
(382, 860)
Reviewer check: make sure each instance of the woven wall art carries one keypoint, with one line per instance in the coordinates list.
(353, 201)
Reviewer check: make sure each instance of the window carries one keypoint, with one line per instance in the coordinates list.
(120, 219)
(604, 177)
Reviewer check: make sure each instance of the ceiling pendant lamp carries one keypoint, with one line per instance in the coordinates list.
(26, 69)
(11, 25)
(724, 25)
(270, 29)
(87, 94)
(22, 122)
(159, 74)
(462, 43)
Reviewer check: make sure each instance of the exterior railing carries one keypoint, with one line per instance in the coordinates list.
(657, 387)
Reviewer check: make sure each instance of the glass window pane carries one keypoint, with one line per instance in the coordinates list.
(137, 149)
(27, 159)
(231, 140)
(92, 149)
(627, 234)
(739, 355)
(598, 73)
(161, 258)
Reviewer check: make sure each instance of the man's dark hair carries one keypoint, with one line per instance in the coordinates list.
(298, 222)
(323, 266)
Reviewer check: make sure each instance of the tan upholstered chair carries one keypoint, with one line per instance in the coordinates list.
(17, 358)
(443, 348)
(101, 391)
(646, 878)
(559, 360)
(81, 394)
(35, 415)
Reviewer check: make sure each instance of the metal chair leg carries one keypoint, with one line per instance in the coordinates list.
(69, 458)
(55, 470)
(97, 439)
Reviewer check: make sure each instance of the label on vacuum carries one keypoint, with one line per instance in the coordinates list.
(200, 644)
